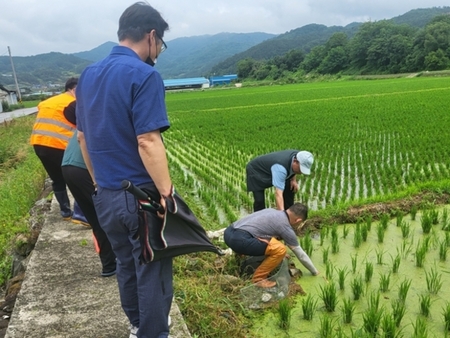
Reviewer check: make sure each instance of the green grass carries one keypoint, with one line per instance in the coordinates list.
(30, 104)
(21, 181)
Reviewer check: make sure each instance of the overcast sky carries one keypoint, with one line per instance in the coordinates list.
(33, 27)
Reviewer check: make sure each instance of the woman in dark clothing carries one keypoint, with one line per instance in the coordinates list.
(81, 186)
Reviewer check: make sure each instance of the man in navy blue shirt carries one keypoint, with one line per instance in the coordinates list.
(121, 114)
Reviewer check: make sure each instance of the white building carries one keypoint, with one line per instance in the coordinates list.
(7, 96)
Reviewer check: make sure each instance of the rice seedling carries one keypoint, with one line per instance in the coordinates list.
(334, 233)
(372, 316)
(398, 312)
(406, 247)
(384, 282)
(357, 239)
(425, 303)
(447, 238)
(357, 287)
(354, 262)
(405, 227)
(380, 233)
(427, 242)
(396, 263)
(443, 249)
(434, 216)
(348, 309)
(323, 234)
(334, 245)
(359, 333)
(329, 296)
(421, 251)
(325, 252)
(329, 270)
(426, 222)
(326, 329)
(309, 306)
(364, 232)
(369, 271)
(434, 282)
(284, 313)
(345, 231)
(403, 290)
(340, 333)
(413, 212)
(446, 314)
(444, 219)
(399, 218)
(342, 274)
(369, 222)
(388, 326)
(307, 244)
(420, 328)
(380, 254)
(384, 221)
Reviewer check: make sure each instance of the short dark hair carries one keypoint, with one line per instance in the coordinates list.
(71, 83)
(138, 20)
(299, 210)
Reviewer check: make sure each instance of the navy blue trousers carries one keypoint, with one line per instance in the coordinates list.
(146, 291)
(242, 242)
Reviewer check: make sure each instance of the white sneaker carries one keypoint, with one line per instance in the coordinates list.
(133, 331)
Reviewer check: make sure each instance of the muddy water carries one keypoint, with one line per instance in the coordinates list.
(367, 252)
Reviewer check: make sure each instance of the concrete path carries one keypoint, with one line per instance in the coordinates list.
(63, 294)
(17, 113)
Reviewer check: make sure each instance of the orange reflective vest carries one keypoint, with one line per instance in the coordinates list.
(51, 128)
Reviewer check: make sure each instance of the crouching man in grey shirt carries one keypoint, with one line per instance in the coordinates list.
(259, 234)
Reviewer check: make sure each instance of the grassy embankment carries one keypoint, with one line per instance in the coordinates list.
(21, 182)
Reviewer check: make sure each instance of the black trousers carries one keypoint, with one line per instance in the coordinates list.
(81, 186)
(51, 159)
(260, 202)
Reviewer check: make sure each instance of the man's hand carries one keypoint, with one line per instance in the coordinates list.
(162, 202)
(294, 185)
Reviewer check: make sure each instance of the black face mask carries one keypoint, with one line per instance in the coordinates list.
(149, 61)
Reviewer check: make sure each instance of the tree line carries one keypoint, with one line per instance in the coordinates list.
(381, 47)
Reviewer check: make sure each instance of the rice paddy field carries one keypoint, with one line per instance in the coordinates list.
(370, 139)
(378, 279)
(373, 141)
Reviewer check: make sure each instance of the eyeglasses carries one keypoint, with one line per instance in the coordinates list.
(163, 46)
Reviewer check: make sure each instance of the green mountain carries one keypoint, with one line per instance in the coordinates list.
(97, 53)
(303, 38)
(421, 16)
(41, 69)
(193, 56)
(309, 36)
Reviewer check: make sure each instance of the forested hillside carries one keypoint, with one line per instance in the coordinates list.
(381, 47)
(41, 69)
(305, 38)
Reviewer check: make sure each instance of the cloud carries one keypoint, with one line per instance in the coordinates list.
(33, 27)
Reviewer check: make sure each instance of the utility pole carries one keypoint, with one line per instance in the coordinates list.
(15, 77)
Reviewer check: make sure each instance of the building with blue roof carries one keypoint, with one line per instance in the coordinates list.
(190, 83)
(222, 80)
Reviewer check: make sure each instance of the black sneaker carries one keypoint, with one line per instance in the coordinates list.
(108, 274)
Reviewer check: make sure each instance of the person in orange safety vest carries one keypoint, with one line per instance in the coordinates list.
(49, 138)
